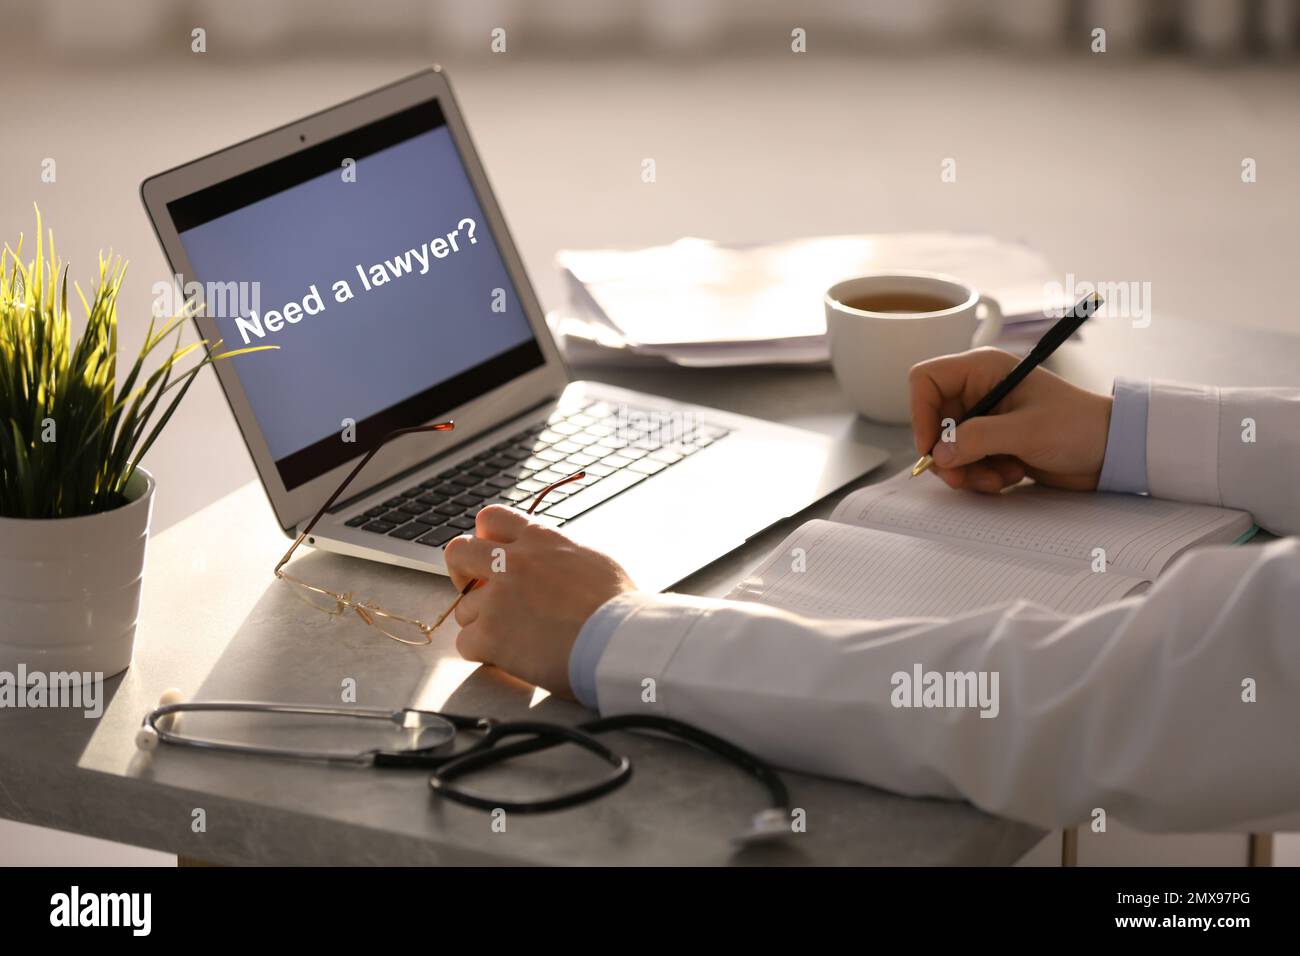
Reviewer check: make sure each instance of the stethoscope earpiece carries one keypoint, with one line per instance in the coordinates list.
(172, 695)
(764, 827)
(147, 737)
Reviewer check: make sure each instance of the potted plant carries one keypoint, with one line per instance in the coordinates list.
(74, 502)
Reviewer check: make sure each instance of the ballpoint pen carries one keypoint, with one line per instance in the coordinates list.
(1066, 326)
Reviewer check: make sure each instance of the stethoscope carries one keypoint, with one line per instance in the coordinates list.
(431, 732)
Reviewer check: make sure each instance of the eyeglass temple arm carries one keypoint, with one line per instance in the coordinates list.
(537, 500)
(396, 433)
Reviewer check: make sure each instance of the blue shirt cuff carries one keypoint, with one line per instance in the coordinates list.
(1125, 466)
(590, 645)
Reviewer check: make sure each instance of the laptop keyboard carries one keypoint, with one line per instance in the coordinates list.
(617, 448)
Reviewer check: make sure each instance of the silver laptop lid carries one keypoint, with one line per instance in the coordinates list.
(364, 242)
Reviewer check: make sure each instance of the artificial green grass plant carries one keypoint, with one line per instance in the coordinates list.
(70, 434)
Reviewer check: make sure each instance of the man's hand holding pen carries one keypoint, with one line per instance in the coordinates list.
(1046, 428)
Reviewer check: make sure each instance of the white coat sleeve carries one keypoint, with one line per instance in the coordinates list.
(1176, 710)
(1233, 447)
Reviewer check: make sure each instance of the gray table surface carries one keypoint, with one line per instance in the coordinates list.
(214, 624)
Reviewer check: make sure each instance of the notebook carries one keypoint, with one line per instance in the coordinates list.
(914, 547)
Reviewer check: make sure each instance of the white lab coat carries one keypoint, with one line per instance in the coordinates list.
(1136, 708)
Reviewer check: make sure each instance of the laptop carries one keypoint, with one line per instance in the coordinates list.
(364, 241)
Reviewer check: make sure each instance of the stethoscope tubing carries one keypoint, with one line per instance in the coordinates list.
(715, 745)
(484, 754)
(543, 736)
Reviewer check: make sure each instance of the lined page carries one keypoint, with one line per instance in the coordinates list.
(853, 572)
(1140, 535)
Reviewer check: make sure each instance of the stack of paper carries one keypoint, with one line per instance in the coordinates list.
(699, 303)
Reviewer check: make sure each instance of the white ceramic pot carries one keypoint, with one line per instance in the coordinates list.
(70, 587)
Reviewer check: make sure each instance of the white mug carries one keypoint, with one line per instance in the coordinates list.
(872, 351)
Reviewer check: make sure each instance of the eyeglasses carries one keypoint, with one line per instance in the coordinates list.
(399, 627)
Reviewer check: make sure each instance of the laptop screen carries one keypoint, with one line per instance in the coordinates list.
(368, 261)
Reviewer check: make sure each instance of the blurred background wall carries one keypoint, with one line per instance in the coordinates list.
(1123, 165)
(1203, 27)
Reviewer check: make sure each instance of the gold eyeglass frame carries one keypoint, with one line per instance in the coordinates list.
(369, 612)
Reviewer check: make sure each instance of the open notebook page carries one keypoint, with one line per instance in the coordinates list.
(852, 572)
(1140, 535)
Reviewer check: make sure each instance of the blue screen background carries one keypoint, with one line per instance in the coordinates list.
(355, 359)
